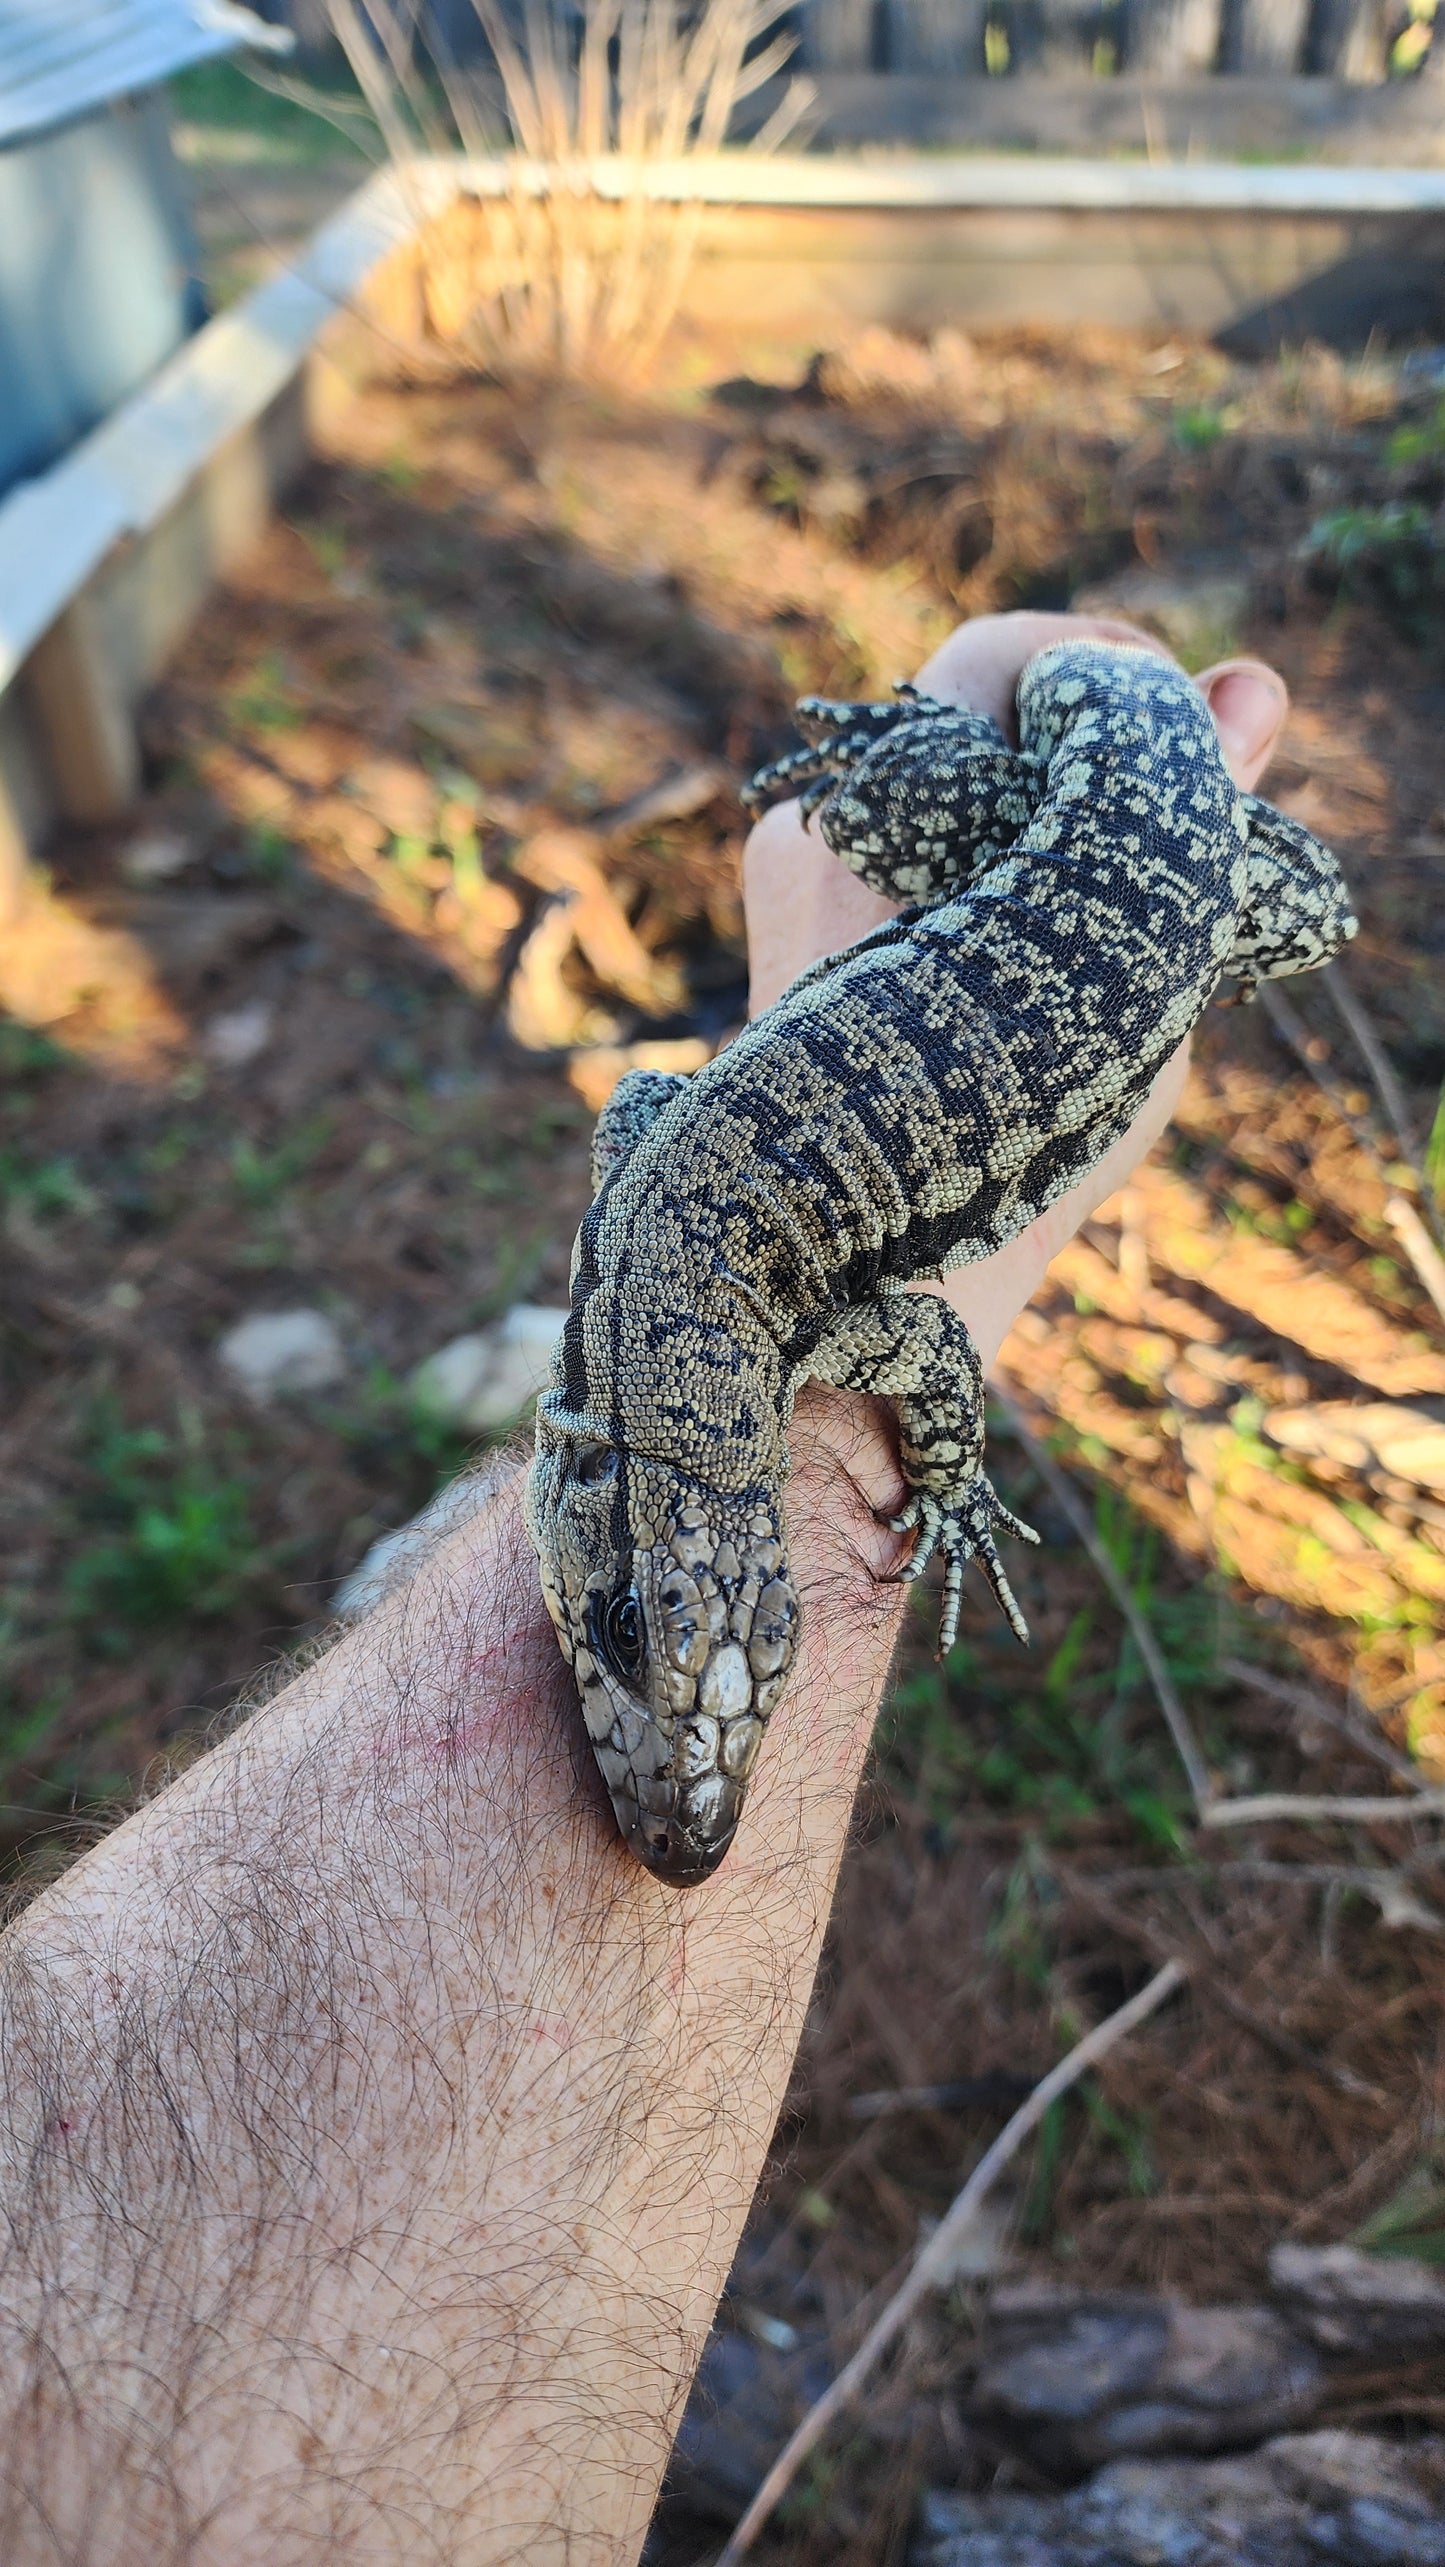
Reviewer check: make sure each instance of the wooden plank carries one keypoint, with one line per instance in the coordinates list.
(88, 738)
(1170, 39)
(54, 532)
(1054, 39)
(1348, 39)
(935, 35)
(1263, 36)
(1231, 117)
(837, 35)
(984, 181)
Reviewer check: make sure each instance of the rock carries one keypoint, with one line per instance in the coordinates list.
(283, 1350)
(1199, 613)
(1303, 2499)
(1077, 2377)
(747, 2396)
(1359, 2307)
(157, 855)
(485, 1380)
(239, 1036)
(394, 1557)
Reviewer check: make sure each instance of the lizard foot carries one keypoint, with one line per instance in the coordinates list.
(963, 1530)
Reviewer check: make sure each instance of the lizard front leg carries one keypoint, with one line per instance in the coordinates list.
(635, 1104)
(912, 1348)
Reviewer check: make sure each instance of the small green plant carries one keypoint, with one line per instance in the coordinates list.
(25, 1053)
(1196, 430)
(263, 1177)
(264, 702)
(1422, 441)
(1435, 1153)
(46, 1189)
(1412, 2221)
(175, 1536)
(1394, 551)
(270, 852)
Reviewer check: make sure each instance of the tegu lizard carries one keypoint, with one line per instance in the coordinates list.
(906, 1106)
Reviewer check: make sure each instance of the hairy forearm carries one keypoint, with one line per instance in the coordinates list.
(377, 2132)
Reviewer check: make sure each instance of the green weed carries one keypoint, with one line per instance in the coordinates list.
(1196, 430)
(26, 1053)
(263, 1177)
(1412, 2221)
(46, 1189)
(1435, 1152)
(270, 854)
(175, 1537)
(264, 702)
(1394, 552)
(1421, 442)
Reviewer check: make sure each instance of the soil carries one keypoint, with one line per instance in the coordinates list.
(493, 614)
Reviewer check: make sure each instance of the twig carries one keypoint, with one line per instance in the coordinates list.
(1060, 1488)
(1356, 1015)
(1261, 1808)
(957, 2094)
(1314, 1706)
(935, 2257)
(1419, 1247)
(1293, 1031)
(1377, 1061)
(1402, 1217)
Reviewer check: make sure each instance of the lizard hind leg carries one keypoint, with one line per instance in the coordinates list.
(914, 1349)
(933, 804)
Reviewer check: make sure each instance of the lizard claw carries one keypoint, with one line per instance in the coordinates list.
(963, 1531)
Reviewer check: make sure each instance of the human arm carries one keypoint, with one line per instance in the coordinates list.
(377, 2134)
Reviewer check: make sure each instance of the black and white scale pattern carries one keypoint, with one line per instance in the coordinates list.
(905, 1107)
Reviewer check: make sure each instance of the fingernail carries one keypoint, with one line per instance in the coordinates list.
(1248, 703)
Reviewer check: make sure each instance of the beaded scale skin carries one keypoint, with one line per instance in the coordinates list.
(905, 1107)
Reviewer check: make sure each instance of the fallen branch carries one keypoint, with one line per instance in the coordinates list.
(1261, 1808)
(1061, 1489)
(934, 2260)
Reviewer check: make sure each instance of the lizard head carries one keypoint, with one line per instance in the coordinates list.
(675, 1610)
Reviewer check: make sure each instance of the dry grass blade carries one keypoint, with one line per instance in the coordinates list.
(1155, 1664)
(558, 271)
(934, 2259)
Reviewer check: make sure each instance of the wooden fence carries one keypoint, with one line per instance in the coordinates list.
(1352, 40)
(1358, 41)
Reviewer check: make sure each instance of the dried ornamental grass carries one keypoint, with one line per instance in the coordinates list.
(580, 265)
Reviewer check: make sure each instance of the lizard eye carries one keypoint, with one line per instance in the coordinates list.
(623, 1634)
(594, 1463)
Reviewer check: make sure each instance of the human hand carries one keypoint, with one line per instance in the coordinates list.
(802, 902)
